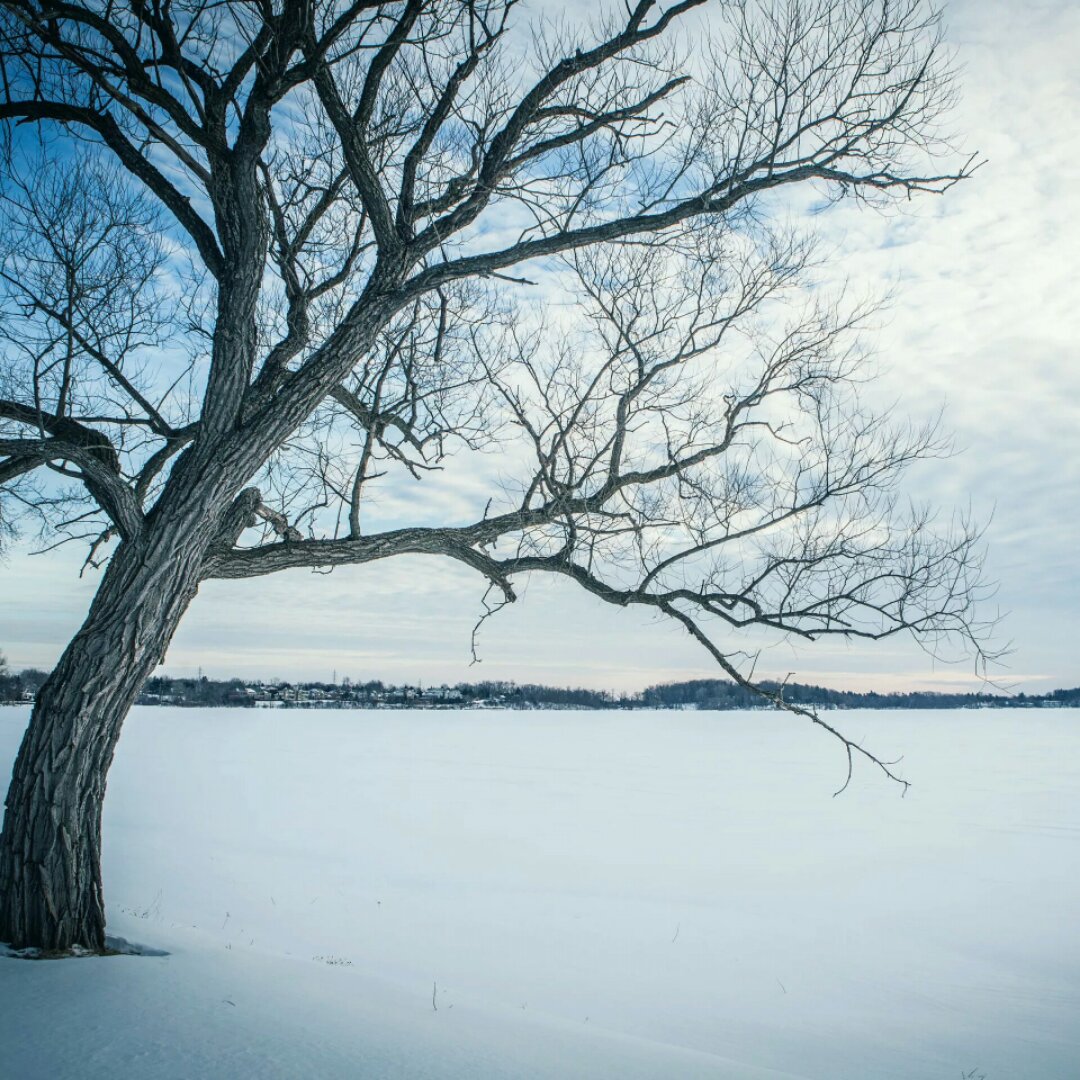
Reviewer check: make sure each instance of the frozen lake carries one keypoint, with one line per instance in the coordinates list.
(489, 894)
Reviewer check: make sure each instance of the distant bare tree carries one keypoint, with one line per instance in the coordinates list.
(260, 257)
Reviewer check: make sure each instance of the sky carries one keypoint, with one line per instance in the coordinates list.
(985, 321)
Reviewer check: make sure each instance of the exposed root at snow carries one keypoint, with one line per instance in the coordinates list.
(114, 946)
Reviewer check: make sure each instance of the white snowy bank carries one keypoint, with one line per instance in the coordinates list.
(488, 895)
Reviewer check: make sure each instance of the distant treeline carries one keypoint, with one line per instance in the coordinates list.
(697, 693)
(693, 694)
(723, 694)
(20, 686)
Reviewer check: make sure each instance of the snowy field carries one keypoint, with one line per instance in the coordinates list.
(632, 895)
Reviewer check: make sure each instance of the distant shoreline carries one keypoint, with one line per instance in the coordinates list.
(707, 694)
(762, 706)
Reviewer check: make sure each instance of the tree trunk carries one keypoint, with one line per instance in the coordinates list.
(50, 850)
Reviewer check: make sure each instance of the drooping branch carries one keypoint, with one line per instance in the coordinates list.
(851, 748)
(456, 544)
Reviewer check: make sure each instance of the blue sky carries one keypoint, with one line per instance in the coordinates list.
(985, 321)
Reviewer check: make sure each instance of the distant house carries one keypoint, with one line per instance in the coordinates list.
(443, 695)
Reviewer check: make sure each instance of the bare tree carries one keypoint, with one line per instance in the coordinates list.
(263, 256)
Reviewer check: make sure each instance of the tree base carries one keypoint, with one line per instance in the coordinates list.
(114, 946)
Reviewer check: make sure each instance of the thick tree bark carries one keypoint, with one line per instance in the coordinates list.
(50, 850)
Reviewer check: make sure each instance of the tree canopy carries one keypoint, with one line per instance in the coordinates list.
(263, 259)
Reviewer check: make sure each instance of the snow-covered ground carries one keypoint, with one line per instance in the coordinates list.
(538, 894)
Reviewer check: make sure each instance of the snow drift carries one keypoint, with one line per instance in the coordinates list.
(538, 894)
